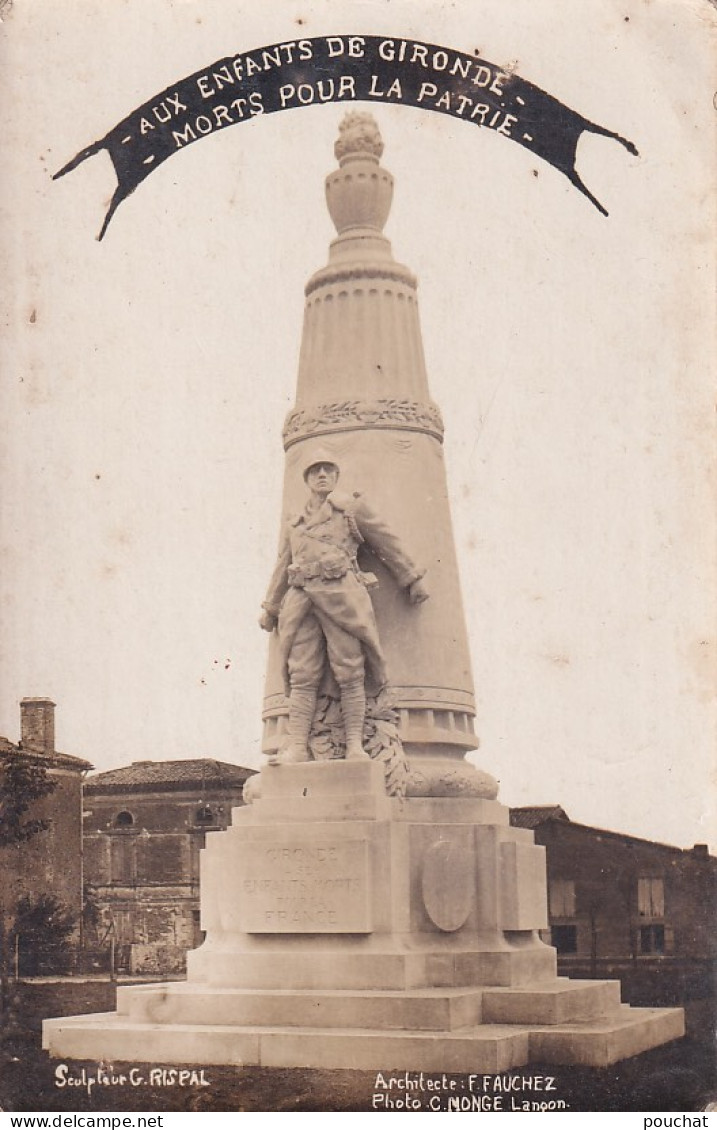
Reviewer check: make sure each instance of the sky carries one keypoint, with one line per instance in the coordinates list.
(145, 380)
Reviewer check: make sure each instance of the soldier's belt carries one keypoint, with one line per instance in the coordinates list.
(330, 570)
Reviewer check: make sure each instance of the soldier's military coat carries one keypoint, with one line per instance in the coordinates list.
(317, 573)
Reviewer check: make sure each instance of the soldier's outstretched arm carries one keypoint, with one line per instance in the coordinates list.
(387, 547)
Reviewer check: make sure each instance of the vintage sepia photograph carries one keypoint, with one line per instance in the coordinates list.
(358, 529)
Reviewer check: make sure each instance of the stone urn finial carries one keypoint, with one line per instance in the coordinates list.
(359, 192)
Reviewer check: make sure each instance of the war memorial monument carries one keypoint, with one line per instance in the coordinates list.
(371, 907)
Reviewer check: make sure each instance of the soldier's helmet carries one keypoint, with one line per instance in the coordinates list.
(319, 457)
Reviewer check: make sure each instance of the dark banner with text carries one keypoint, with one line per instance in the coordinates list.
(342, 68)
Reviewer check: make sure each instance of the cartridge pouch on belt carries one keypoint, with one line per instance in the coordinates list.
(329, 569)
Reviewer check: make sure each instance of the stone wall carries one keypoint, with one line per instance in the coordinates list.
(51, 862)
(142, 858)
(606, 868)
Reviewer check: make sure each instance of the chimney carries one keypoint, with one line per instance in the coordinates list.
(37, 724)
(701, 851)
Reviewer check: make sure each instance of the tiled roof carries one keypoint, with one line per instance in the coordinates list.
(533, 817)
(53, 760)
(699, 851)
(161, 775)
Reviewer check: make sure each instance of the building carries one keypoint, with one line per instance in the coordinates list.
(144, 825)
(49, 862)
(632, 909)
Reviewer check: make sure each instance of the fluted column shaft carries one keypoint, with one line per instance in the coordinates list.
(362, 397)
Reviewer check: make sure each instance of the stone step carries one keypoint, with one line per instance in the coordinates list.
(118, 1039)
(355, 968)
(599, 1043)
(505, 968)
(318, 808)
(488, 1048)
(555, 1002)
(415, 1010)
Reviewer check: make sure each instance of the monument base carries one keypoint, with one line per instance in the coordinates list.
(347, 929)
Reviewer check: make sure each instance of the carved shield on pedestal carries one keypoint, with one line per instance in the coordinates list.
(448, 883)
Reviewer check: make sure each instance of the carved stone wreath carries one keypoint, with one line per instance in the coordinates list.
(346, 414)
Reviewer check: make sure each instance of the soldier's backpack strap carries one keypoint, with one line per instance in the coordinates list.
(347, 504)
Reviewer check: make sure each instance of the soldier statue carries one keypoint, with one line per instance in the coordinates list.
(319, 603)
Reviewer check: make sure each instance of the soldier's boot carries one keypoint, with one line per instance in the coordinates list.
(302, 704)
(353, 710)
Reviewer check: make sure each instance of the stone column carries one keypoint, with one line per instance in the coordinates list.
(362, 397)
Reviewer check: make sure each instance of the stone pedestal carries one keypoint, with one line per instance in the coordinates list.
(345, 928)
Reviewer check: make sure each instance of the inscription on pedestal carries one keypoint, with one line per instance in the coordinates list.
(319, 887)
